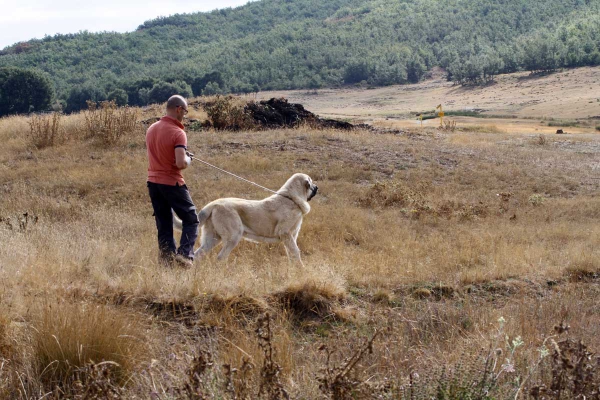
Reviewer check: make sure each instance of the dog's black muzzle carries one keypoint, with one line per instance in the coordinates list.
(313, 192)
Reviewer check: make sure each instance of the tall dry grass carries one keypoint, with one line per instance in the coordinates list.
(67, 337)
(426, 238)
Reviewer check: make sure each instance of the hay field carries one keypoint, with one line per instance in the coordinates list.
(458, 253)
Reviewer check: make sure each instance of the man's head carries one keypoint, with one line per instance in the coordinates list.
(177, 107)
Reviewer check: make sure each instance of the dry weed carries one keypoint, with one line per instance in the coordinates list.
(566, 369)
(341, 382)
(270, 386)
(46, 130)
(109, 123)
(228, 112)
(94, 382)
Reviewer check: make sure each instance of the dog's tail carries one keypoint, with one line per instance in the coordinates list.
(203, 215)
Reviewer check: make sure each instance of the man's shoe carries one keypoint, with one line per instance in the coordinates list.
(184, 261)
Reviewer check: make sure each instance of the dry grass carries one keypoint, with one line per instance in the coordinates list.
(426, 237)
(67, 337)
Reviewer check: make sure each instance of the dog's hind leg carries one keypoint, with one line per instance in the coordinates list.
(228, 246)
(209, 239)
(229, 227)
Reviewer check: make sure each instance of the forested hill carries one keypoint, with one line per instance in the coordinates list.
(285, 44)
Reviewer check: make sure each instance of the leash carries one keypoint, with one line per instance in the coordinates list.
(236, 176)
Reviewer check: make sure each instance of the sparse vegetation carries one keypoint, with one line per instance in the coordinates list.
(418, 242)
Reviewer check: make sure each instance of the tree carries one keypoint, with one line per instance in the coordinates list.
(161, 91)
(211, 88)
(24, 91)
(415, 68)
(137, 91)
(542, 52)
(80, 95)
(356, 72)
(199, 84)
(119, 96)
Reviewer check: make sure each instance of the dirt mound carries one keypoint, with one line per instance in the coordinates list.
(279, 113)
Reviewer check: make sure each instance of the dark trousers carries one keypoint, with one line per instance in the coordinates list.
(164, 198)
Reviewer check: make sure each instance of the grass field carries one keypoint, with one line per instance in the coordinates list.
(461, 254)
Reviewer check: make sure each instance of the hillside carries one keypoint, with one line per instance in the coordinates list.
(280, 44)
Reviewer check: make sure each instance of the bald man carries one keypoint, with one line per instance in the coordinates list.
(166, 143)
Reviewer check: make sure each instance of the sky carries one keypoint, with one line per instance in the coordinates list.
(24, 20)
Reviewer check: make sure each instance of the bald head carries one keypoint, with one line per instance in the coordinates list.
(176, 101)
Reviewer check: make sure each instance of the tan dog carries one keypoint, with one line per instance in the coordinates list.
(277, 218)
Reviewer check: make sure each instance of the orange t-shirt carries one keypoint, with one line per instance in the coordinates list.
(162, 138)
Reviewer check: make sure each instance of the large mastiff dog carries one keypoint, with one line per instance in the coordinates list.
(277, 218)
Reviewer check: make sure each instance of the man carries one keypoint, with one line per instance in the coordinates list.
(166, 143)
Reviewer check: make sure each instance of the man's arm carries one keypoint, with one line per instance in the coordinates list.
(182, 161)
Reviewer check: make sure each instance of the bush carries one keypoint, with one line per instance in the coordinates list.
(108, 123)
(46, 130)
(24, 91)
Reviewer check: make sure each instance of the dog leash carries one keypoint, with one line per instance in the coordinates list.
(236, 176)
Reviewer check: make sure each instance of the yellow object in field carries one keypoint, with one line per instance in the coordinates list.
(440, 114)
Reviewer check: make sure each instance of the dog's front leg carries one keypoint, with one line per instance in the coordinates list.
(292, 250)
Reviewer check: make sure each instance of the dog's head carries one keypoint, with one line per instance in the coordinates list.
(306, 186)
(301, 189)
